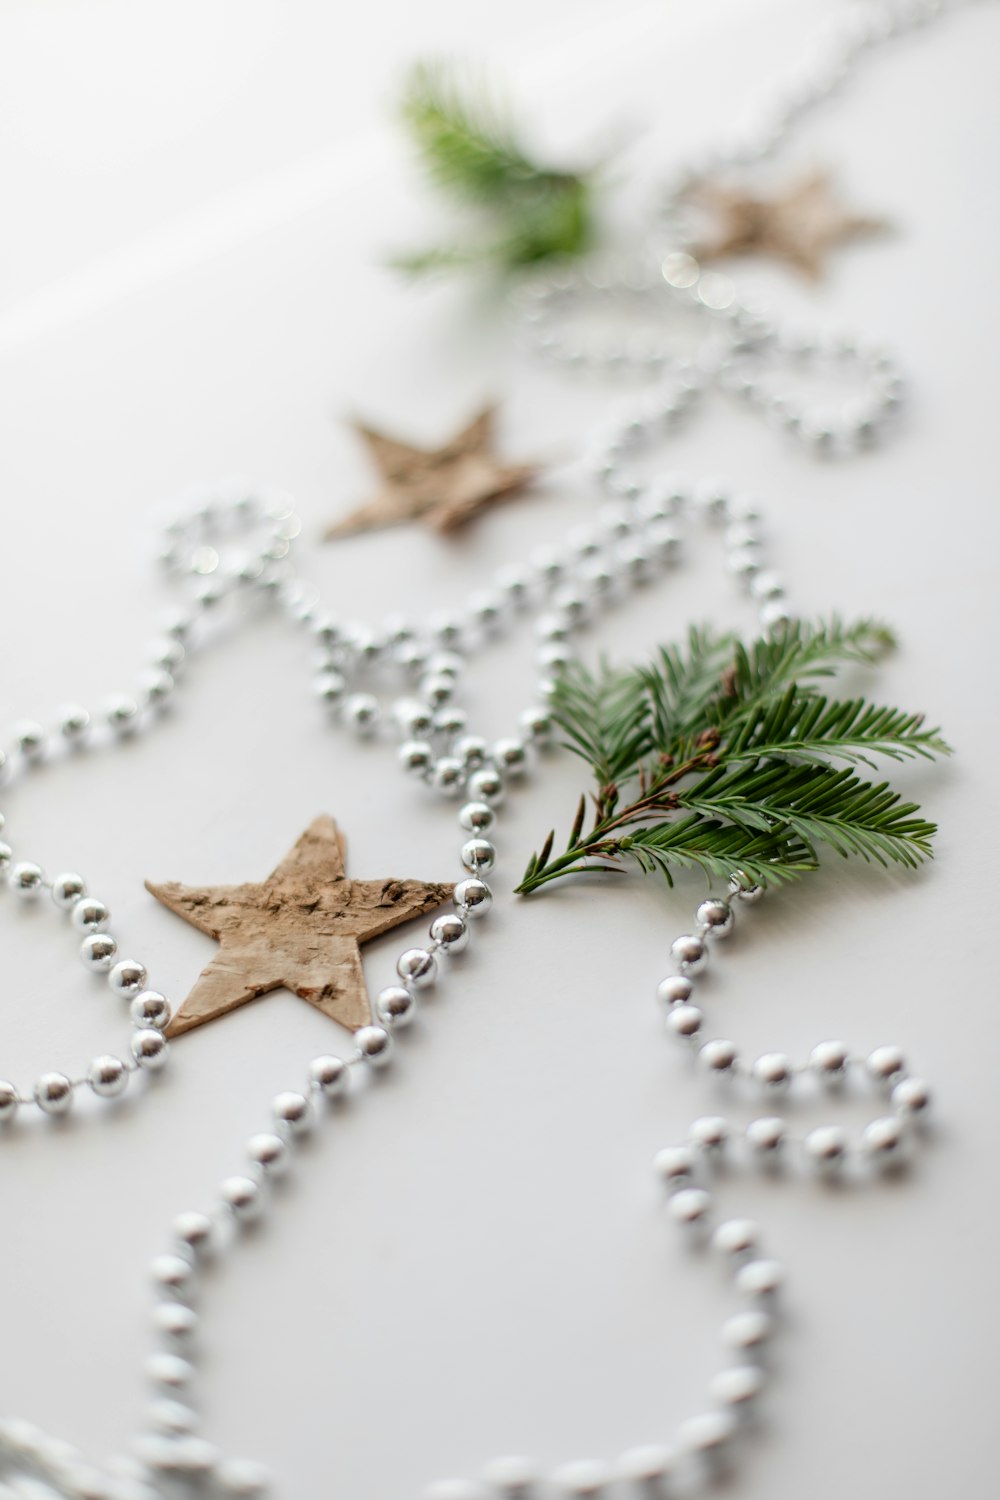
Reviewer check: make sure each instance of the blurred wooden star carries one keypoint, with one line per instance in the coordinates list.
(299, 929)
(445, 487)
(800, 226)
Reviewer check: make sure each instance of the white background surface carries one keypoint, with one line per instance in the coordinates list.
(198, 199)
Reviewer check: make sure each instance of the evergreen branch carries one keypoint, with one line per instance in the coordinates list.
(808, 726)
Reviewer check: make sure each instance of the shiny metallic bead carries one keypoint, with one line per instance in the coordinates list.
(242, 1196)
(512, 1477)
(395, 1006)
(735, 1238)
(772, 1070)
(471, 750)
(708, 1437)
(121, 714)
(195, 1232)
(766, 1136)
(674, 1166)
(485, 612)
(473, 898)
(690, 953)
(361, 713)
(414, 719)
(127, 977)
(411, 656)
(486, 786)
(269, 1153)
(436, 691)
(150, 1050)
(6, 853)
(449, 721)
(9, 1101)
(885, 1065)
(826, 1148)
(29, 738)
(446, 664)
(684, 1020)
(884, 1143)
(479, 856)
(744, 888)
(418, 967)
(719, 1057)
(171, 1417)
(26, 879)
(537, 725)
(157, 685)
(737, 1389)
(911, 1097)
(186, 1456)
(715, 916)
(329, 688)
(150, 1008)
(647, 1470)
(67, 890)
(88, 914)
(329, 1075)
(168, 654)
(243, 1479)
(676, 989)
(773, 616)
(97, 951)
(373, 1045)
(416, 756)
(294, 1112)
(748, 1331)
(553, 660)
(760, 1279)
(176, 1323)
(448, 776)
(450, 932)
(54, 1093)
(476, 817)
(585, 1479)
(169, 1370)
(691, 1207)
(173, 1276)
(108, 1077)
(710, 1134)
(828, 1060)
(511, 757)
(74, 722)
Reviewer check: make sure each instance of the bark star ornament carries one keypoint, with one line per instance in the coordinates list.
(445, 487)
(800, 226)
(299, 929)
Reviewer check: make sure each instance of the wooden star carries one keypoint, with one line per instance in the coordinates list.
(800, 226)
(445, 487)
(300, 929)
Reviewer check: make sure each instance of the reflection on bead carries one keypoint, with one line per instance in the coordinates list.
(684, 1020)
(826, 1148)
(417, 967)
(911, 1097)
(294, 1112)
(416, 756)
(121, 714)
(885, 1065)
(477, 817)
(170, 1370)
(330, 1075)
(269, 1153)
(30, 739)
(715, 916)
(361, 713)
(478, 855)
(674, 1166)
(242, 1196)
(710, 1133)
(772, 1070)
(744, 888)
(748, 1331)
(829, 1062)
(74, 722)
(766, 1136)
(674, 990)
(127, 977)
(486, 786)
(108, 1077)
(735, 1237)
(54, 1093)
(173, 1275)
(243, 1479)
(150, 1050)
(448, 776)
(67, 890)
(195, 1232)
(587, 1479)
(511, 757)
(646, 1469)
(6, 852)
(473, 898)
(89, 914)
(373, 1045)
(9, 1101)
(884, 1143)
(691, 1207)
(690, 953)
(536, 724)
(718, 1056)
(395, 1006)
(171, 1417)
(150, 1008)
(450, 932)
(26, 879)
(760, 1279)
(708, 1436)
(471, 750)
(97, 951)
(738, 1388)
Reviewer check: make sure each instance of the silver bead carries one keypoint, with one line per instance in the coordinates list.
(329, 688)
(157, 685)
(175, 1321)
(171, 1417)
(269, 1153)
(361, 713)
(718, 1057)
(536, 723)
(242, 1196)
(67, 890)
(436, 690)
(169, 1370)
(674, 990)
(715, 916)
(54, 1093)
(710, 1133)
(586, 1479)
(511, 757)
(242, 1478)
(330, 1075)
(450, 932)
(150, 1050)
(647, 1469)
(449, 721)
(89, 914)
(772, 1070)
(294, 1112)
(6, 852)
(486, 786)
(30, 739)
(74, 722)
(511, 1478)
(97, 951)
(760, 1279)
(826, 1148)
(418, 967)
(168, 654)
(127, 977)
(150, 1008)
(395, 1006)
(477, 817)
(471, 750)
(121, 714)
(691, 1207)
(684, 1020)
(690, 953)
(414, 720)
(675, 1166)
(373, 1045)
(884, 1143)
(748, 1331)
(744, 888)
(479, 856)
(416, 756)
(766, 1136)
(173, 1276)
(448, 776)
(196, 1233)
(9, 1101)
(708, 1437)
(473, 898)
(735, 1238)
(26, 879)
(446, 664)
(885, 1065)
(108, 1077)
(738, 1388)
(829, 1062)
(911, 1097)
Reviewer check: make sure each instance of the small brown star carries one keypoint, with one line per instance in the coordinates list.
(299, 929)
(445, 486)
(799, 226)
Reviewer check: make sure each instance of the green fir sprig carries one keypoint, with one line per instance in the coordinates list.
(722, 756)
(525, 212)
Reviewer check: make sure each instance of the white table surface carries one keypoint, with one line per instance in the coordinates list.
(198, 199)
